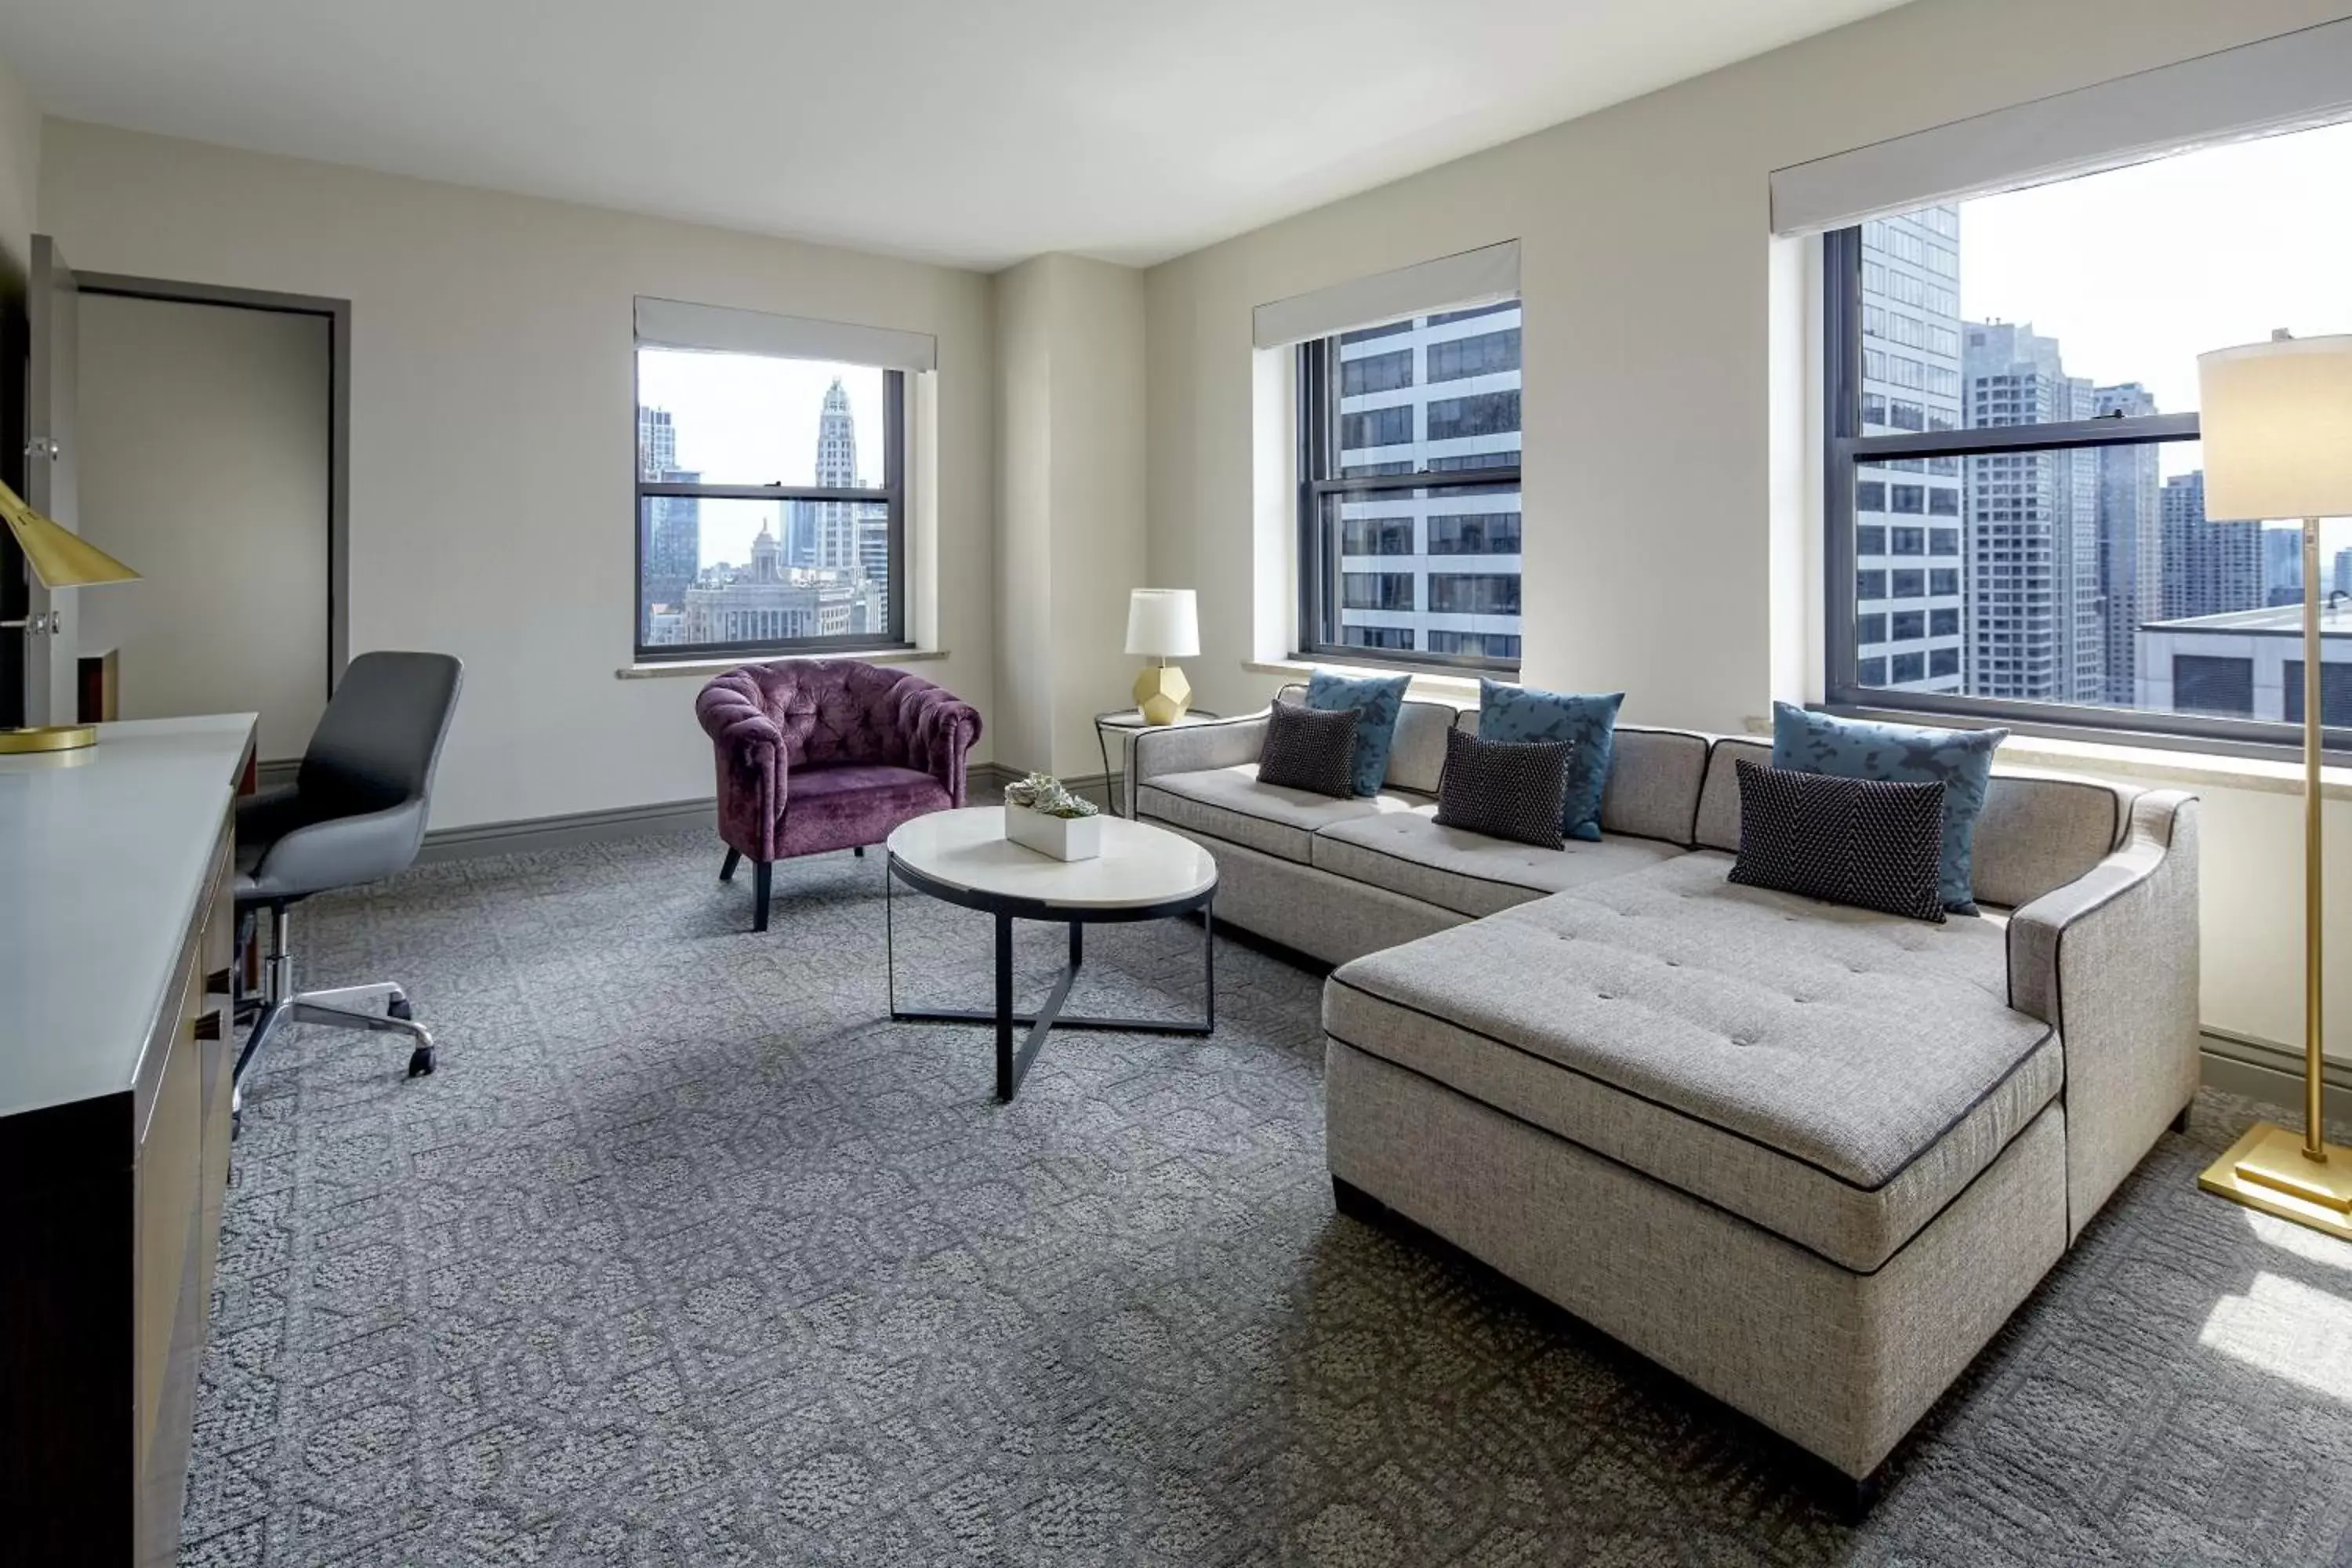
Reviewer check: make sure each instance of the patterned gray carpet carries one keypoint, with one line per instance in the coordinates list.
(688, 1255)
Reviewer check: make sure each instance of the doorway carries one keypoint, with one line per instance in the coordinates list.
(214, 459)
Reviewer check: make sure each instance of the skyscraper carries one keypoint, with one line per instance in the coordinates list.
(2131, 539)
(2210, 568)
(833, 523)
(1910, 599)
(670, 549)
(656, 442)
(2344, 572)
(2036, 631)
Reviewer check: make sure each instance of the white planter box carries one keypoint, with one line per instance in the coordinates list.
(1063, 837)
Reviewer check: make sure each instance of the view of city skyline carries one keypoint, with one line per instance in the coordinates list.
(725, 570)
(2036, 576)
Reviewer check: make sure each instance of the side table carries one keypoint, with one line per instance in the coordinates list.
(1126, 724)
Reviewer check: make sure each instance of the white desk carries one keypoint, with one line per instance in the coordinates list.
(116, 872)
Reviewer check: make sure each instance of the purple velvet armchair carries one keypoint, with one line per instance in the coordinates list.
(819, 755)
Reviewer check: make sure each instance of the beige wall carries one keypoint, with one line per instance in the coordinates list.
(1670, 539)
(1070, 503)
(207, 461)
(492, 428)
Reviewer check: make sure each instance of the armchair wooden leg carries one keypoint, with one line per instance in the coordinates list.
(762, 875)
(734, 858)
(859, 851)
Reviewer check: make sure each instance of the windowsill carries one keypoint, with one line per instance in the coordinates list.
(2167, 766)
(1428, 684)
(709, 666)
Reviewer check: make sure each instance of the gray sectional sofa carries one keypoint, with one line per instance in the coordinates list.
(1809, 1157)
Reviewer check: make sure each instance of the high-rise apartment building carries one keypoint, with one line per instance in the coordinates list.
(2036, 632)
(2282, 565)
(1422, 571)
(2210, 568)
(1910, 585)
(2131, 539)
(656, 442)
(2344, 572)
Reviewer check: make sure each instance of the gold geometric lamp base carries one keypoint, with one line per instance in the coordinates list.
(2268, 1170)
(1162, 693)
(48, 738)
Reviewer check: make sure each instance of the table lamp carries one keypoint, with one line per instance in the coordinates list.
(2277, 430)
(1162, 624)
(60, 558)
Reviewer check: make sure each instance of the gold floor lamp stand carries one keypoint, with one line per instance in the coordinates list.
(2299, 1175)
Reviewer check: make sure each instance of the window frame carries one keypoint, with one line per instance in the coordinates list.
(1317, 369)
(892, 490)
(1845, 448)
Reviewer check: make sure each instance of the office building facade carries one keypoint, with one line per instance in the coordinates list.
(1910, 586)
(2131, 539)
(2210, 568)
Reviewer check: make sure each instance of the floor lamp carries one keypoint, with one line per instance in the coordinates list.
(2276, 424)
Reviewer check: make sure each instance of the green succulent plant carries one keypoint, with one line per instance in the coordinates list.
(1045, 792)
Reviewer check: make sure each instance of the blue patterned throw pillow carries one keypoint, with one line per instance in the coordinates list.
(1588, 723)
(1378, 702)
(1959, 760)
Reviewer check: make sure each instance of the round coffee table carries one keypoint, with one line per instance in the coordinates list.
(1144, 873)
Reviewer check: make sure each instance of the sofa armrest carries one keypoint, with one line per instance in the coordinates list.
(747, 750)
(941, 730)
(1191, 749)
(2110, 961)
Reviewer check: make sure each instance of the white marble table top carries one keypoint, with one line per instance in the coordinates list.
(1140, 865)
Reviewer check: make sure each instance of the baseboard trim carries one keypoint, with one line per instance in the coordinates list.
(2265, 1070)
(269, 776)
(565, 831)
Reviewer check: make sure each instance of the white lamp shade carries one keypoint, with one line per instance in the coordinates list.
(1162, 623)
(2276, 423)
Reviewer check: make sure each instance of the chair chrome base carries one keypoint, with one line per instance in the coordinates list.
(335, 1008)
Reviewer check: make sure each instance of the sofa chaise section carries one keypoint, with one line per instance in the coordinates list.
(1810, 1158)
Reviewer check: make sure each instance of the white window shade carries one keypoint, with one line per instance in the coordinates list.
(675, 324)
(2298, 79)
(1481, 276)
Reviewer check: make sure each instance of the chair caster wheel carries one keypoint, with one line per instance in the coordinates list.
(398, 1007)
(420, 1061)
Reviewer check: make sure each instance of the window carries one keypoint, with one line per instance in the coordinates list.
(1475, 534)
(771, 504)
(1376, 590)
(1910, 626)
(1481, 414)
(2047, 400)
(1410, 458)
(1483, 594)
(1376, 536)
(1490, 354)
(1485, 644)
(1390, 427)
(1376, 372)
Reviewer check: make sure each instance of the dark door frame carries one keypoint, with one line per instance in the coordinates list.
(337, 314)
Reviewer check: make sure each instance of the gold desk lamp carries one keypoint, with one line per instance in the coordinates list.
(60, 558)
(2276, 425)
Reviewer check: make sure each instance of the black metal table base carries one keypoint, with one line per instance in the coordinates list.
(1013, 1065)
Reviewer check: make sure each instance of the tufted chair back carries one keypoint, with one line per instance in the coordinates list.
(837, 709)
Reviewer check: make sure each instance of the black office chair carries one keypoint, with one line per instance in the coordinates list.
(354, 813)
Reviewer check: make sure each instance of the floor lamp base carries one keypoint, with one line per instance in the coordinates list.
(2267, 1169)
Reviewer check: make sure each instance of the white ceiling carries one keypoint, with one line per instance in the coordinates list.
(972, 131)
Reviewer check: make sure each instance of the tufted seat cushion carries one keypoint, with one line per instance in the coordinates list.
(1833, 1075)
(1230, 803)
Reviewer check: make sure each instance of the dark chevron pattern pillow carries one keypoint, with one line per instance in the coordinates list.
(1505, 789)
(1309, 749)
(1863, 842)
